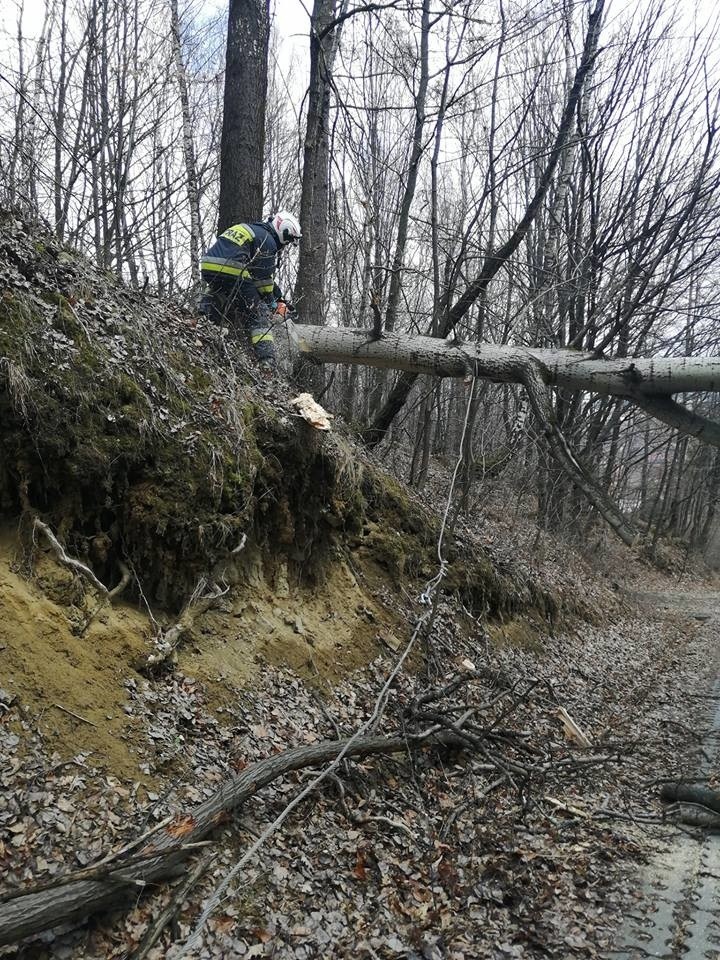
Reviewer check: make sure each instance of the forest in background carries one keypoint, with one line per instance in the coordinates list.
(414, 138)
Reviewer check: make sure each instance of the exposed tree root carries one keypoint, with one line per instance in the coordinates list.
(77, 567)
(67, 561)
(168, 640)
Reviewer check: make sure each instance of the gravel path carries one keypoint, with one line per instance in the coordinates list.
(678, 911)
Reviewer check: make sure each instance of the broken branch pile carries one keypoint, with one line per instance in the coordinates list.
(35, 911)
(475, 724)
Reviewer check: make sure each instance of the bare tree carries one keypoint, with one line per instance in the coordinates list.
(188, 148)
(243, 131)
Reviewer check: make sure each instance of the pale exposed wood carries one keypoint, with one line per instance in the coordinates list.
(635, 378)
(68, 561)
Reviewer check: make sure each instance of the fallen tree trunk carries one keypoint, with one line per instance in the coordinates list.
(570, 369)
(30, 913)
(647, 383)
(680, 792)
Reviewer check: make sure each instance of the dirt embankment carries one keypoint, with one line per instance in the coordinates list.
(145, 441)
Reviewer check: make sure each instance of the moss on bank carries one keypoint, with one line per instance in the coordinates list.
(139, 437)
(119, 432)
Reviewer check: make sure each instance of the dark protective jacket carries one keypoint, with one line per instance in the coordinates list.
(246, 253)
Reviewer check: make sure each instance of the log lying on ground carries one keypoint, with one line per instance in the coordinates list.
(31, 913)
(679, 792)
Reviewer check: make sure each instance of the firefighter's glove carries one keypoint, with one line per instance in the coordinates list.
(286, 309)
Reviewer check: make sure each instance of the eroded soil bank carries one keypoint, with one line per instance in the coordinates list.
(440, 856)
(146, 444)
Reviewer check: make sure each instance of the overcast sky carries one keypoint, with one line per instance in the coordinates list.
(291, 19)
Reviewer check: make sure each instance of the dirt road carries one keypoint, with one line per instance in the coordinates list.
(678, 909)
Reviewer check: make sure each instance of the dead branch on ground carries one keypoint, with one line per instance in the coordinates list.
(154, 931)
(30, 913)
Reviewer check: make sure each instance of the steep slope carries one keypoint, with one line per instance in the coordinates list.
(145, 440)
(147, 445)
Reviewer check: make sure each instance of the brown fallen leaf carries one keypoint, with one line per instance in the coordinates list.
(359, 870)
(224, 923)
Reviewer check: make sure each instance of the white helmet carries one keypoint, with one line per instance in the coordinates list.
(286, 226)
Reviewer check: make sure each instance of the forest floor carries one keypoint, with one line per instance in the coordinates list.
(438, 856)
(528, 842)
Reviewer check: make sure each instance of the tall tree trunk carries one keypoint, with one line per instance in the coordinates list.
(416, 153)
(309, 292)
(191, 178)
(60, 123)
(242, 145)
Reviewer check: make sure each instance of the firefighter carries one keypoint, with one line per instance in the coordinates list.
(239, 270)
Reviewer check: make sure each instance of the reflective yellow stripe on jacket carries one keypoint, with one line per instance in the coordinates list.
(223, 265)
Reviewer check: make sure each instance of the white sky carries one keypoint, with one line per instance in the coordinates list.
(291, 17)
(292, 20)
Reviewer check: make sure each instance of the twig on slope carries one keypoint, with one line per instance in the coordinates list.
(473, 801)
(154, 931)
(361, 819)
(70, 713)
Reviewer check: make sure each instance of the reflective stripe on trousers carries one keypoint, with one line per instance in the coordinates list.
(237, 305)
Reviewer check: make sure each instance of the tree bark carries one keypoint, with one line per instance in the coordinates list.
(191, 177)
(242, 145)
(412, 172)
(649, 382)
(309, 293)
(310, 287)
(31, 913)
